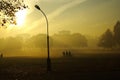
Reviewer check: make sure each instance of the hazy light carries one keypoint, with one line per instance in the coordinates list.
(20, 17)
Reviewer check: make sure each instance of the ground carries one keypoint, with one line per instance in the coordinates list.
(64, 68)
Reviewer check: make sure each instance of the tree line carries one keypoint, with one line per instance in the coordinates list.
(63, 39)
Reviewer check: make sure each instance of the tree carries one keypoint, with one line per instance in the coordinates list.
(2, 44)
(79, 40)
(8, 8)
(106, 40)
(65, 39)
(12, 43)
(38, 41)
(117, 33)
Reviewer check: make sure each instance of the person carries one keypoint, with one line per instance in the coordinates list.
(66, 53)
(70, 53)
(1, 55)
(63, 53)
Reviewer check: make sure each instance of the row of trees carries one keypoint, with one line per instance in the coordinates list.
(11, 43)
(64, 39)
(8, 8)
(111, 39)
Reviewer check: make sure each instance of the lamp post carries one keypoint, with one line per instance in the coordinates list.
(48, 48)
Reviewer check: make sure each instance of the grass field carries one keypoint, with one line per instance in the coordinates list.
(98, 67)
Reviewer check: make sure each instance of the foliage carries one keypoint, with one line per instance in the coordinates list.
(109, 39)
(60, 40)
(8, 8)
(11, 43)
(117, 33)
(39, 41)
(65, 39)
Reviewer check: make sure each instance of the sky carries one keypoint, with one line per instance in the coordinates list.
(88, 17)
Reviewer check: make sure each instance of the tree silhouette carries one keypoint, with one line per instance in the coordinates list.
(12, 43)
(79, 40)
(106, 40)
(117, 33)
(38, 41)
(65, 39)
(8, 8)
(2, 43)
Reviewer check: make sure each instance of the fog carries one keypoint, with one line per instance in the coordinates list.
(25, 45)
(77, 43)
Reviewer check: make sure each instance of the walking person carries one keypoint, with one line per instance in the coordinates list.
(1, 55)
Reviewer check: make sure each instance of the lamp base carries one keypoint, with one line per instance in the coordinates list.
(49, 65)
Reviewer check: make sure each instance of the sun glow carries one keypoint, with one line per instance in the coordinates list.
(20, 17)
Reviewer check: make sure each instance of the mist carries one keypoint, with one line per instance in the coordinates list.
(25, 45)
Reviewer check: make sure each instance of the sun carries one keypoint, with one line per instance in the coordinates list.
(20, 17)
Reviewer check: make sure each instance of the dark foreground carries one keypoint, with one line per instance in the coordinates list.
(95, 67)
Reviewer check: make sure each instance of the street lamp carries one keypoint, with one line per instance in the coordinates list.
(48, 49)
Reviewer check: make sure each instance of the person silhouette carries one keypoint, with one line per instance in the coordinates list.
(1, 55)
(66, 53)
(63, 53)
(69, 53)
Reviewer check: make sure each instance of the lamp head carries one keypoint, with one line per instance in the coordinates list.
(37, 7)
